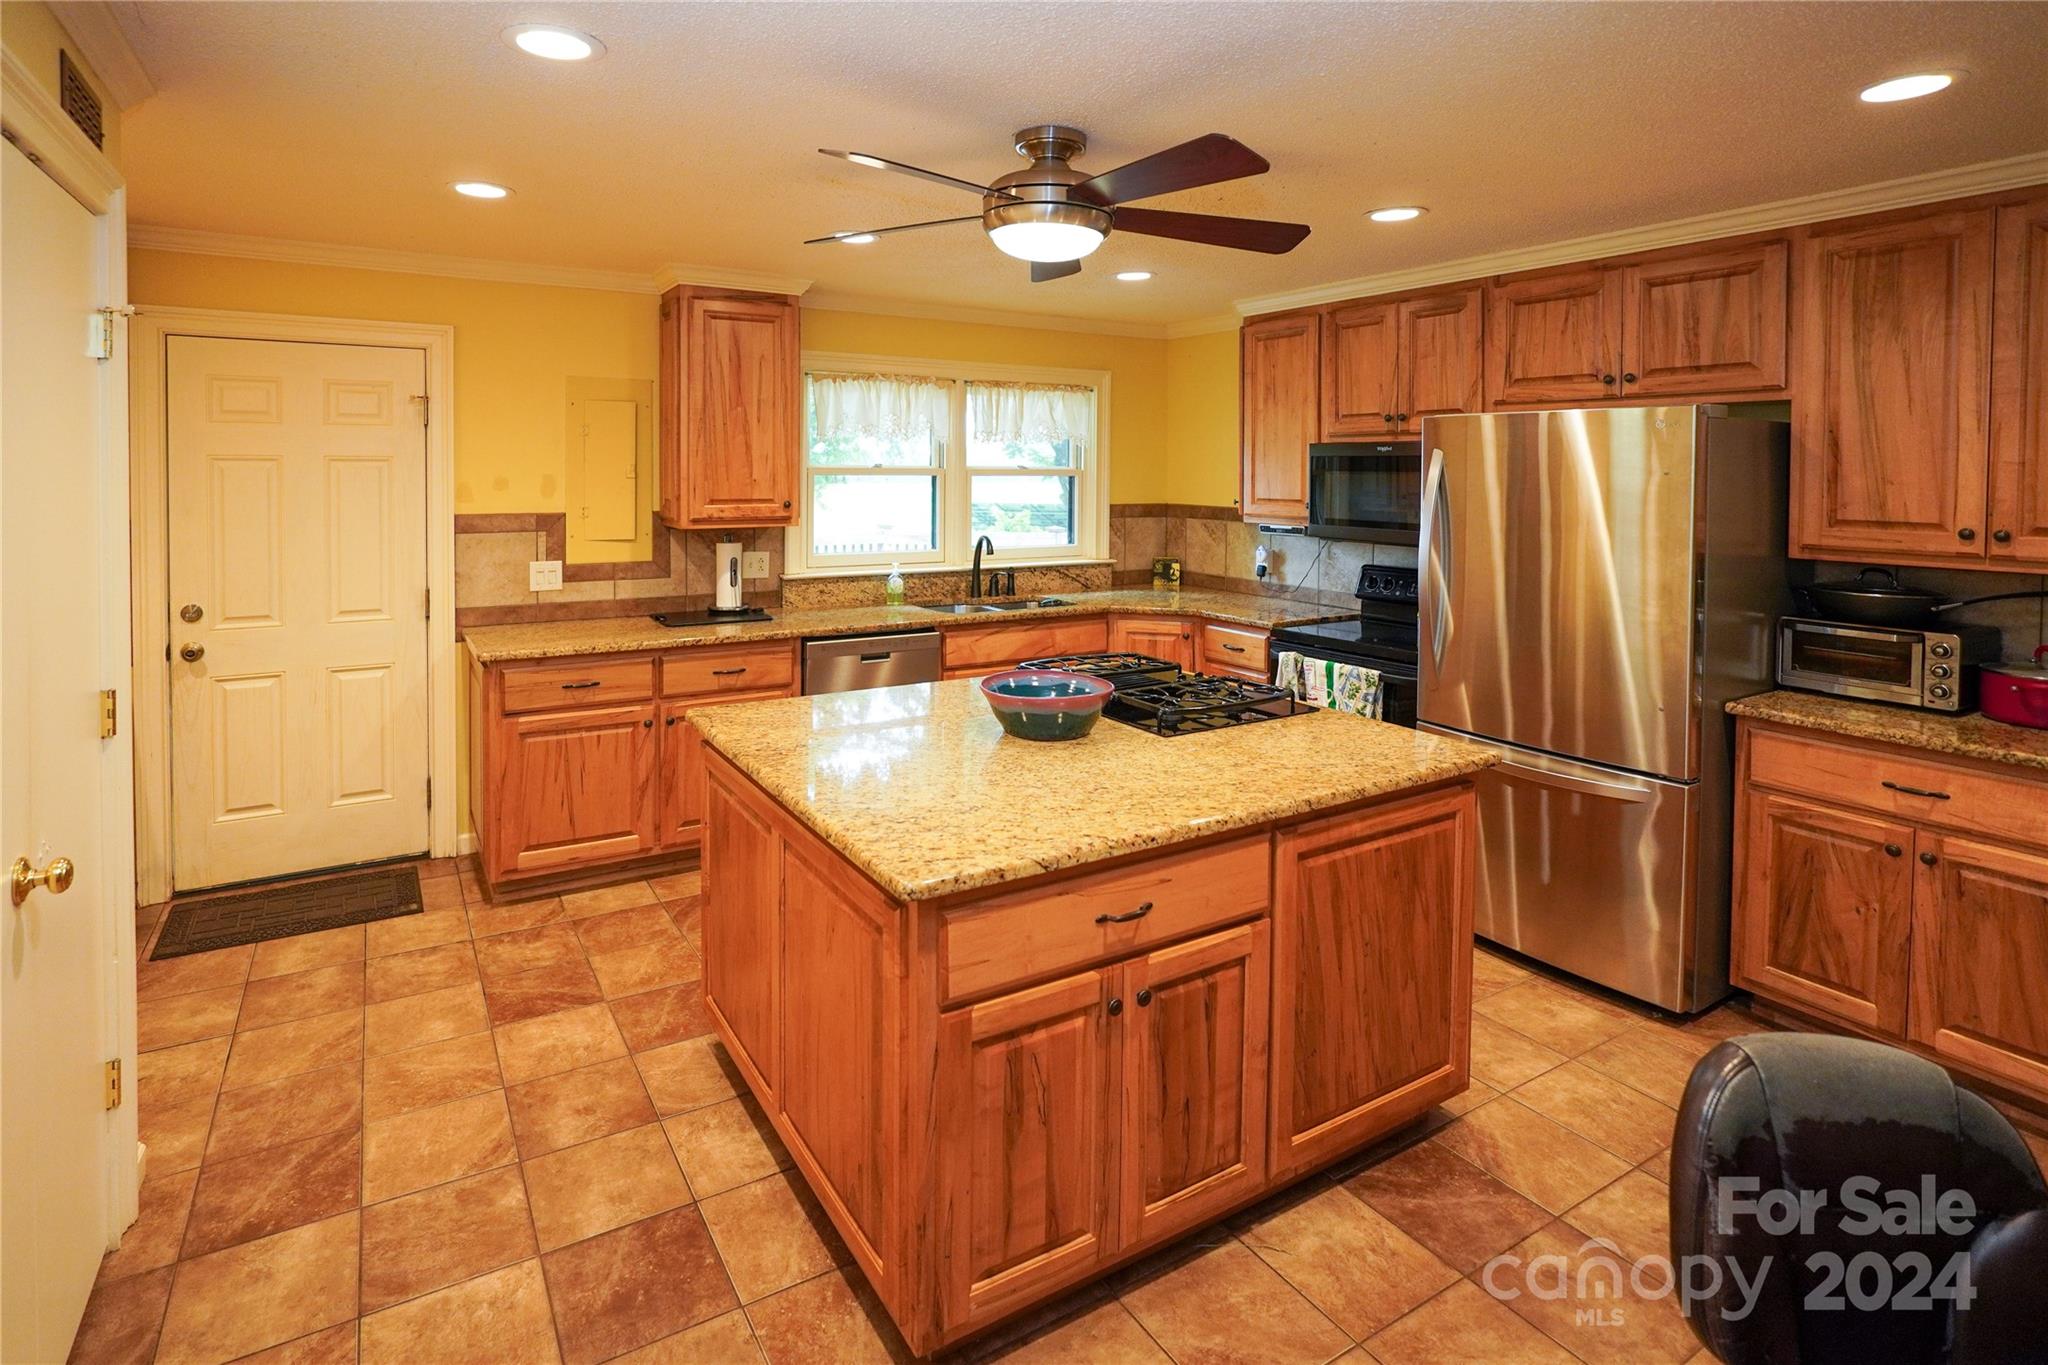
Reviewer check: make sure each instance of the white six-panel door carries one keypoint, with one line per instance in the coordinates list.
(298, 575)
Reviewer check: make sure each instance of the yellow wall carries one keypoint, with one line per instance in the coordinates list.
(1140, 457)
(32, 35)
(516, 348)
(1201, 418)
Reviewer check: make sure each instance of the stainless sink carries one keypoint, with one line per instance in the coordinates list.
(976, 608)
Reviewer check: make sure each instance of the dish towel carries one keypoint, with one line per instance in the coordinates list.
(1352, 688)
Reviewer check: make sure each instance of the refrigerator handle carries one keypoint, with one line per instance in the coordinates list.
(1436, 550)
(1550, 777)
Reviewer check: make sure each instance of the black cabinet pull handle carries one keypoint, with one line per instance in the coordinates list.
(1386, 417)
(1914, 791)
(1401, 417)
(571, 687)
(2002, 537)
(785, 504)
(1967, 533)
(648, 723)
(1892, 850)
(1928, 859)
(727, 672)
(1144, 996)
(670, 721)
(1627, 378)
(1607, 379)
(1144, 909)
(1235, 649)
(1116, 1005)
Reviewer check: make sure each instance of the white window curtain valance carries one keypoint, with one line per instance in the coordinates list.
(1030, 412)
(880, 406)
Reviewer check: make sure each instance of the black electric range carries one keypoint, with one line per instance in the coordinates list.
(1383, 637)
(1155, 696)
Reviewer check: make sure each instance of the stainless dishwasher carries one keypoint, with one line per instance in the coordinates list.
(850, 663)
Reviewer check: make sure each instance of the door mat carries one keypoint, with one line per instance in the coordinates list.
(282, 911)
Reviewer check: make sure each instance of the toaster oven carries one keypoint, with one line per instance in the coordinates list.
(1935, 670)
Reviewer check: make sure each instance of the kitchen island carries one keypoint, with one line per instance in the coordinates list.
(1024, 1012)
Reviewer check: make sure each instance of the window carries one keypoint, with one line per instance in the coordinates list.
(912, 465)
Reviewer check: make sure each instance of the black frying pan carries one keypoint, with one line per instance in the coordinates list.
(1875, 597)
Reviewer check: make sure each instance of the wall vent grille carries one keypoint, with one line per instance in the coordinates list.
(79, 101)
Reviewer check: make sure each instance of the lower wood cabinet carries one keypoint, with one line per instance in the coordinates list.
(1161, 637)
(975, 651)
(1898, 895)
(585, 785)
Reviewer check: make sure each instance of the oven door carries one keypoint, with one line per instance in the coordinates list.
(1366, 492)
(1852, 661)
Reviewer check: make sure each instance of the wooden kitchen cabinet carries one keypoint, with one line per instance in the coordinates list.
(742, 944)
(1281, 360)
(1710, 322)
(1980, 958)
(1160, 637)
(1361, 383)
(2019, 389)
(1892, 368)
(1345, 927)
(682, 796)
(1898, 894)
(1825, 902)
(975, 651)
(1388, 365)
(1554, 337)
(1194, 1082)
(585, 788)
(731, 408)
(1236, 651)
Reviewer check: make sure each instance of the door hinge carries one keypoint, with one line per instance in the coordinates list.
(430, 793)
(113, 1096)
(109, 714)
(99, 333)
(427, 602)
(425, 402)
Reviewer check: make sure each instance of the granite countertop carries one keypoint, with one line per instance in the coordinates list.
(1965, 736)
(623, 634)
(923, 791)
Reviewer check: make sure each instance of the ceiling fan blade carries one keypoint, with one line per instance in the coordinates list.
(1041, 271)
(1243, 234)
(1203, 161)
(900, 227)
(883, 163)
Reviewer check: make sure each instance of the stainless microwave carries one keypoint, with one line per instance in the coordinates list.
(1366, 490)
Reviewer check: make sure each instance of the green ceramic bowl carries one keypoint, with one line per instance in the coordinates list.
(1042, 704)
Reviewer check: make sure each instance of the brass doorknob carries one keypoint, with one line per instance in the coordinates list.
(192, 654)
(23, 877)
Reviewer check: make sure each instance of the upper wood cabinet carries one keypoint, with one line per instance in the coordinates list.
(2019, 389)
(1705, 322)
(1386, 366)
(1710, 322)
(731, 408)
(1281, 413)
(1893, 361)
(1555, 337)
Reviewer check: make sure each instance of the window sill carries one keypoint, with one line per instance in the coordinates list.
(921, 570)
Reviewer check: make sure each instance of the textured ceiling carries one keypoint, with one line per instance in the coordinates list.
(693, 139)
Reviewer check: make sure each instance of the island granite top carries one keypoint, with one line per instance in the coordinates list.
(1965, 736)
(920, 788)
(625, 634)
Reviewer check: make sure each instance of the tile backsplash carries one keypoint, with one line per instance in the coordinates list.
(1217, 550)
(2022, 622)
(492, 552)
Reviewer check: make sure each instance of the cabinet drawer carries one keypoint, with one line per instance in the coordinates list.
(1238, 647)
(1923, 791)
(548, 687)
(714, 669)
(1031, 934)
(1006, 645)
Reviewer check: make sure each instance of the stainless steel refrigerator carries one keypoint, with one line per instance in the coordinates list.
(1595, 584)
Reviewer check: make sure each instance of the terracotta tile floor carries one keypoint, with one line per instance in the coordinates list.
(504, 1133)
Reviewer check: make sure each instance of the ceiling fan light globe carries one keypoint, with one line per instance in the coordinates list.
(1045, 242)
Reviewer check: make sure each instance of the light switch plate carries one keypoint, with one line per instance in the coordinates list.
(754, 564)
(544, 575)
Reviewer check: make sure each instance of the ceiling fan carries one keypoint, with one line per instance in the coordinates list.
(1052, 215)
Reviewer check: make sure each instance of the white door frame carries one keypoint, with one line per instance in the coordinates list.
(151, 329)
(38, 125)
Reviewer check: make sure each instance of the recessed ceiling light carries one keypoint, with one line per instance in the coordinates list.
(863, 159)
(1394, 215)
(1133, 276)
(555, 44)
(856, 238)
(1907, 87)
(479, 189)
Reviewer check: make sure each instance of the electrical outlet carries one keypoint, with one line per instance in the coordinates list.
(754, 564)
(544, 575)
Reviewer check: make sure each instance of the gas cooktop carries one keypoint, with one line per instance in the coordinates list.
(1155, 696)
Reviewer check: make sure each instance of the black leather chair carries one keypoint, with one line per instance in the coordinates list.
(1806, 1112)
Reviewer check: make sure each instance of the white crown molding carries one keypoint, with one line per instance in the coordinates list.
(146, 237)
(712, 277)
(1986, 177)
(37, 124)
(105, 47)
(986, 317)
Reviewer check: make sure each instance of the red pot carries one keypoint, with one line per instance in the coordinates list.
(2016, 693)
